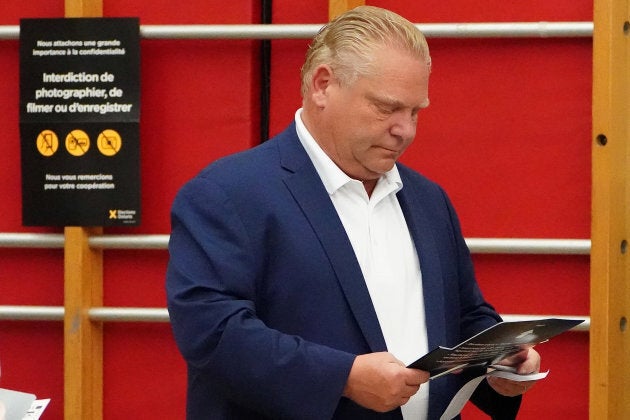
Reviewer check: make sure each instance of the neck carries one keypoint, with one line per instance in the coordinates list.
(369, 186)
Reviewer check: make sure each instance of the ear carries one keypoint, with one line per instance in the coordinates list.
(320, 83)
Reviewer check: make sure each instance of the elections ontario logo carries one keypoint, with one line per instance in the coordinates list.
(125, 216)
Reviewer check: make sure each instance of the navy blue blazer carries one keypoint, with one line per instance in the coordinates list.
(267, 302)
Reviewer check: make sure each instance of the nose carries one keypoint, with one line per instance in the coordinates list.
(404, 125)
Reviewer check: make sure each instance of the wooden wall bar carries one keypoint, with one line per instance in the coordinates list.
(609, 386)
(83, 339)
(336, 7)
(83, 289)
(83, 8)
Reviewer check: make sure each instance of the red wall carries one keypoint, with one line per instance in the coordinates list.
(507, 134)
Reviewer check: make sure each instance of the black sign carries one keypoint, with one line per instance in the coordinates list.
(79, 121)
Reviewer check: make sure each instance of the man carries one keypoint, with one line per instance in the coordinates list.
(307, 272)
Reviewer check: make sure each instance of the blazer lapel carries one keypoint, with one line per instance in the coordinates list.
(420, 229)
(309, 192)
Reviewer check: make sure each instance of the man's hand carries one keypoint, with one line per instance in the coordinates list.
(526, 361)
(381, 382)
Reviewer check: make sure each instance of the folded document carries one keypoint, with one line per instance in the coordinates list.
(492, 345)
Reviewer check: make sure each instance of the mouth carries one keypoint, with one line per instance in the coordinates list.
(388, 151)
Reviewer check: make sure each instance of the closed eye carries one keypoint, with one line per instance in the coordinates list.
(384, 109)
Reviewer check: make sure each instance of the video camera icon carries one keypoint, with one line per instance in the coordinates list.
(109, 142)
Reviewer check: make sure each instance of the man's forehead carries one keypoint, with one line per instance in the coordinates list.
(403, 82)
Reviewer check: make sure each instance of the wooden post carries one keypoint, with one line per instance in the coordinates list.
(84, 8)
(83, 289)
(609, 388)
(83, 339)
(337, 7)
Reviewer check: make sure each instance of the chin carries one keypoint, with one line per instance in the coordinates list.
(385, 166)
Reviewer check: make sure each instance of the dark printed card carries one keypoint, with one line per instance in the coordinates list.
(493, 344)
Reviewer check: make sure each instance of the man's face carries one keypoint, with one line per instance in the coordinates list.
(371, 122)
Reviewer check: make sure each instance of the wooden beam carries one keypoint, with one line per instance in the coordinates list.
(83, 339)
(83, 8)
(337, 7)
(609, 388)
(83, 289)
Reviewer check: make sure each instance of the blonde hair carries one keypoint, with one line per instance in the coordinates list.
(348, 42)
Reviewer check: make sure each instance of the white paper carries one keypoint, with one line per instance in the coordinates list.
(16, 405)
(519, 378)
(463, 395)
(36, 410)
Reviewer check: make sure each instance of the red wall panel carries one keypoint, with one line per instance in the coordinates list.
(440, 11)
(507, 134)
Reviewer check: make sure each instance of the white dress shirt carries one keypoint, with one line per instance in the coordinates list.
(386, 253)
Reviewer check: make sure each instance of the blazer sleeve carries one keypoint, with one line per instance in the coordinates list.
(211, 283)
(497, 406)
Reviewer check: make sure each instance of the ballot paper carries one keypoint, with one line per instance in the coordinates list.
(21, 405)
(492, 345)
